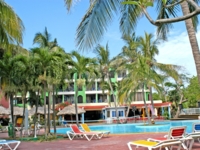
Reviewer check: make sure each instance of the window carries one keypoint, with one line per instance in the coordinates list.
(121, 113)
(108, 114)
(113, 114)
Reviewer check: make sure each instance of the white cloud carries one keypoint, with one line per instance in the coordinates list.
(177, 51)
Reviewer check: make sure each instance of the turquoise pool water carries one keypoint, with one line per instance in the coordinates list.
(163, 126)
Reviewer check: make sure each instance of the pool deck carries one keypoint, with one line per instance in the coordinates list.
(113, 142)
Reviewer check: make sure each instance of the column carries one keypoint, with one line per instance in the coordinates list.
(162, 108)
(169, 112)
(82, 117)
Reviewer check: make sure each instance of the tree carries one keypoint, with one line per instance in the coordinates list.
(100, 14)
(45, 60)
(84, 69)
(8, 73)
(11, 26)
(105, 67)
(192, 93)
(43, 40)
(143, 69)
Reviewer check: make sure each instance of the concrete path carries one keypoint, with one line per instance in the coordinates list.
(113, 142)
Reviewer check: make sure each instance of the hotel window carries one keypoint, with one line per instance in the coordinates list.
(121, 113)
(113, 114)
(108, 114)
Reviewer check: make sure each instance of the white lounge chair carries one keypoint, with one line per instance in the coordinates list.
(8, 143)
(154, 145)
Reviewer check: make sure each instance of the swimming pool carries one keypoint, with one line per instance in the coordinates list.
(163, 126)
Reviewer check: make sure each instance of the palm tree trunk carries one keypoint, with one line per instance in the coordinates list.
(12, 116)
(45, 119)
(115, 101)
(192, 38)
(22, 116)
(152, 104)
(54, 115)
(76, 107)
(35, 118)
(49, 95)
(145, 104)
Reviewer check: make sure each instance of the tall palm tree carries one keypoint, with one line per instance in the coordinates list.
(191, 25)
(11, 26)
(45, 61)
(105, 66)
(44, 41)
(142, 66)
(84, 68)
(8, 73)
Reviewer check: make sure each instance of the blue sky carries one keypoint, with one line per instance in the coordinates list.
(38, 14)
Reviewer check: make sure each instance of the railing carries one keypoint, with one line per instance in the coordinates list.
(190, 111)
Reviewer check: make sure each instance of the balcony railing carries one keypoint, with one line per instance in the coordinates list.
(190, 111)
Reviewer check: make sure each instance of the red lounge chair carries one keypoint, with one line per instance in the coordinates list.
(76, 132)
(175, 133)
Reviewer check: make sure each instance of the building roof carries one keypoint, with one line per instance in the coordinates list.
(141, 105)
(156, 105)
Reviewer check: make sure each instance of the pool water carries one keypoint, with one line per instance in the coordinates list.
(163, 126)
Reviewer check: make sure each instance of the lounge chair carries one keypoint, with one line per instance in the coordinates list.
(195, 134)
(196, 127)
(155, 145)
(8, 143)
(86, 128)
(175, 133)
(76, 132)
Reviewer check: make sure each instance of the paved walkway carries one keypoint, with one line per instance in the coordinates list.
(113, 142)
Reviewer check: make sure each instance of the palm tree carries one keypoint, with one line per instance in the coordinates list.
(142, 66)
(45, 60)
(8, 73)
(101, 13)
(84, 68)
(191, 25)
(43, 40)
(11, 26)
(105, 67)
(58, 72)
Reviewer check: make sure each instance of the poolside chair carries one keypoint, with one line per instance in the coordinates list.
(8, 143)
(196, 127)
(155, 145)
(86, 128)
(76, 132)
(195, 134)
(174, 133)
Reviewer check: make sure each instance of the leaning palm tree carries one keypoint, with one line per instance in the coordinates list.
(11, 26)
(84, 68)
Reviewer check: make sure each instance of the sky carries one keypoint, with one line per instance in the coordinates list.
(38, 14)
